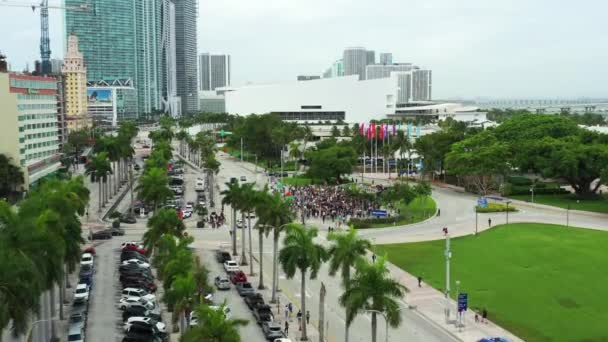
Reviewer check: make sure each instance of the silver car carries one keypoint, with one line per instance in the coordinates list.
(222, 283)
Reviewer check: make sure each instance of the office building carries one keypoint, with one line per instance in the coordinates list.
(384, 70)
(211, 102)
(28, 124)
(371, 57)
(355, 60)
(170, 101)
(56, 65)
(422, 85)
(335, 70)
(308, 77)
(74, 90)
(111, 102)
(386, 58)
(122, 40)
(185, 47)
(214, 71)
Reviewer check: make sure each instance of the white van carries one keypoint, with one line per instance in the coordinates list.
(200, 185)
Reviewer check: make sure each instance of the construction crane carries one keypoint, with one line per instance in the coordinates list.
(45, 41)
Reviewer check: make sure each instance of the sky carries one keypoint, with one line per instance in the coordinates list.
(476, 48)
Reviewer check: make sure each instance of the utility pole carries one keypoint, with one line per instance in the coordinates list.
(322, 294)
(448, 256)
(241, 149)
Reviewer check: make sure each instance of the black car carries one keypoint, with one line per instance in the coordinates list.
(222, 256)
(127, 278)
(272, 331)
(128, 219)
(86, 271)
(136, 273)
(116, 231)
(262, 314)
(254, 300)
(101, 235)
(127, 255)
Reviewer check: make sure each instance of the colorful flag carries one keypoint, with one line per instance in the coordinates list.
(369, 132)
(394, 128)
(381, 133)
(386, 131)
(373, 130)
(362, 128)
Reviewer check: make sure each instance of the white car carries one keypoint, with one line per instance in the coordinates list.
(139, 293)
(227, 312)
(239, 223)
(282, 340)
(141, 264)
(193, 319)
(86, 259)
(243, 179)
(81, 294)
(186, 213)
(189, 207)
(231, 266)
(125, 303)
(159, 325)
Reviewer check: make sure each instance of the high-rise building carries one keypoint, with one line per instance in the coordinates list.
(386, 58)
(422, 85)
(355, 60)
(371, 57)
(214, 71)
(171, 102)
(375, 71)
(123, 40)
(56, 65)
(28, 124)
(185, 47)
(335, 70)
(74, 87)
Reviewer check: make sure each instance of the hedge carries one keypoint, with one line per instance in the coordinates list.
(367, 223)
(495, 208)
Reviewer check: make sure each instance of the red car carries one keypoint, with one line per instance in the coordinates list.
(133, 247)
(90, 250)
(238, 277)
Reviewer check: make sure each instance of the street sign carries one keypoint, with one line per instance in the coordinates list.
(379, 213)
(482, 202)
(222, 133)
(463, 302)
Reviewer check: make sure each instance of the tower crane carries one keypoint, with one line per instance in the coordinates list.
(45, 42)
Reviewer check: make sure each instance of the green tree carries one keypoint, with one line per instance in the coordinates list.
(214, 327)
(179, 297)
(99, 168)
(232, 196)
(346, 132)
(335, 132)
(164, 221)
(346, 250)
(273, 213)
(300, 252)
(153, 187)
(372, 288)
(249, 199)
(331, 163)
(11, 176)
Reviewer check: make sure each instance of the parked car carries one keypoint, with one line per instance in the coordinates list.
(145, 321)
(146, 285)
(116, 231)
(76, 334)
(90, 250)
(227, 312)
(254, 300)
(144, 330)
(101, 235)
(81, 294)
(222, 283)
(231, 266)
(86, 271)
(138, 311)
(137, 262)
(78, 319)
(282, 340)
(127, 254)
(244, 288)
(130, 219)
(222, 256)
(136, 248)
(263, 313)
(272, 331)
(134, 292)
(238, 277)
(138, 277)
(86, 259)
(186, 213)
(129, 302)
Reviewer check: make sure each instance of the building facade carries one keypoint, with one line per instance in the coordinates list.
(111, 102)
(355, 61)
(185, 46)
(171, 102)
(384, 70)
(75, 87)
(29, 124)
(214, 71)
(211, 102)
(335, 70)
(386, 58)
(371, 57)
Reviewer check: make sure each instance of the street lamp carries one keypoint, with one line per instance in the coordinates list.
(448, 256)
(532, 191)
(568, 215)
(508, 202)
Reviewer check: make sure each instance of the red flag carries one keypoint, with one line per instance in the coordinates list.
(373, 130)
(362, 128)
(369, 132)
(381, 135)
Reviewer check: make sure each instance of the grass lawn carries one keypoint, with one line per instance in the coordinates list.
(542, 282)
(418, 210)
(296, 181)
(562, 201)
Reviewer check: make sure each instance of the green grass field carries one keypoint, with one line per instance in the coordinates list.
(420, 209)
(542, 282)
(562, 201)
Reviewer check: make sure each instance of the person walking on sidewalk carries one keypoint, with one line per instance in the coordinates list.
(484, 316)
(290, 307)
(307, 317)
(489, 223)
(286, 312)
(419, 281)
(286, 328)
(299, 315)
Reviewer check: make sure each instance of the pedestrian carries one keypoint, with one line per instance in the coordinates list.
(438, 212)
(476, 318)
(307, 317)
(484, 316)
(489, 223)
(286, 328)
(286, 312)
(290, 307)
(374, 257)
(419, 281)
(299, 316)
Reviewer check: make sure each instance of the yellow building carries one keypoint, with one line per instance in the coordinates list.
(75, 87)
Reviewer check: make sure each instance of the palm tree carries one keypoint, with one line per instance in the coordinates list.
(164, 222)
(99, 168)
(153, 187)
(403, 145)
(182, 136)
(166, 248)
(344, 253)
(273, 213)
(180, 298)
(300, 252)
(249, 198)
(214, 326)
(232, 197)
(373, 290)
(11, 176)
(114, 154)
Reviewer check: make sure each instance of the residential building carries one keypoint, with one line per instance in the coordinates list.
(422, 85)
(122, 40)
(355, 60)
(29, 124)
(214, 71)
(386, 58)
(211, 102)
(308, 77)
(171, 102)
(371, 57)
(111, 102)
(335, 70)
(75, 87)
(185, 46)
(374, 71)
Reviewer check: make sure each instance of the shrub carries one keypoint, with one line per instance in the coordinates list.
(116, 223)
(367, 223)
(495, 208)
(518, 180)
(200, 224)
(506, 189)
(116, 215)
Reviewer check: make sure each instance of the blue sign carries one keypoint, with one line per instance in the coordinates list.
(379, 213)
(482, 202)
(463, 302)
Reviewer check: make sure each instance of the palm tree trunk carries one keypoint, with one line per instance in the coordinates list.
(374, 326)
(275, 247)
(109, 181)
(303, 294)
(250, 247)
(61, 297)
(52, 314)
(234, 249)
(182, 323)
(131, 188)
(100, 191)
(261, 246)
(243, 236)
(322, 294)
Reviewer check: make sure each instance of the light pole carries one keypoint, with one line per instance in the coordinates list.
(508, 202)
(448, 256)
(457, 308)
(476, 216)
(568, 216)
(532, 191)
